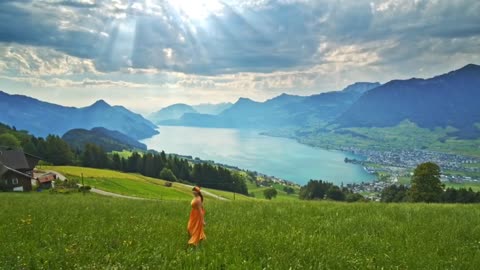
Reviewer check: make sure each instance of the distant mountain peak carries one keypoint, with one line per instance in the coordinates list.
(282, 96)
(244, 100)
(467, 68)
(470, 66)
(175, 111)
(361, 87)
(100, 103)
(179, 105)
(284, 99)
(211, 103)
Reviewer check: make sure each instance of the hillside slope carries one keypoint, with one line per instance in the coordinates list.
(446, 100)
(131, 184)
(109, 140)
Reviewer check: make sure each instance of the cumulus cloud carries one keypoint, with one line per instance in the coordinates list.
(65, 83)
(41, 61)
(256, 35)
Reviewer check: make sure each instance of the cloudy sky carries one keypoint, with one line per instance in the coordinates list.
(146, 54)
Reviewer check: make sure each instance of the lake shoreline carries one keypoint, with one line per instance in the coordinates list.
(282, 157)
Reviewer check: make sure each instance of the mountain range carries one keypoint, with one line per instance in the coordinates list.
(43, 118)
(283, 110)
(450, 99)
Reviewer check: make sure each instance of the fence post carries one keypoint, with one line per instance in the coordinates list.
(83, 186)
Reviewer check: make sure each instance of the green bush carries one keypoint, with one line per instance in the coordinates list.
(84, 189)
(354, 197)
(270, 193)
(167, 174)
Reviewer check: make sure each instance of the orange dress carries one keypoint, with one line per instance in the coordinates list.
(195, 223)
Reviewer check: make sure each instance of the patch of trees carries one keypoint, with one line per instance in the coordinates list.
(288, 190)
(427, 187)
(51, 149)
(208, 175)
(394, 193)
(166, 167)
(320, 190)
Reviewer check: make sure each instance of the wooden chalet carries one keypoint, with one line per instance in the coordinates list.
(16, 170)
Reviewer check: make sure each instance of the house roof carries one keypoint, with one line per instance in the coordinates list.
(4, 169)
(17, 159)
(48, 177)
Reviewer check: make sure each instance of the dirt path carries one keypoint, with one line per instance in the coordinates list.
(98, 191)
(106, 193)
(206, 193)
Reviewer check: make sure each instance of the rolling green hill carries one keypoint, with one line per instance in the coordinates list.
(109, 140)
(96, 232)
(123, 183)
(136, 185)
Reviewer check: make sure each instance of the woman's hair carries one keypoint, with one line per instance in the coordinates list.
(197, 189)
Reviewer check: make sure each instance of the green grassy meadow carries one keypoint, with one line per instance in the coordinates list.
(472, 185)
(58, 231)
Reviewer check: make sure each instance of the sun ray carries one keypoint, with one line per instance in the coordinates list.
(197, 10)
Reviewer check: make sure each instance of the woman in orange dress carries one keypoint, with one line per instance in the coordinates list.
(196, 221)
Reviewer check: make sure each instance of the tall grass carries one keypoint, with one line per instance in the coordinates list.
(43, 231)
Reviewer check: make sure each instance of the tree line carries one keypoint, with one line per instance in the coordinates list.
(51, 149)
(319, 190)
(427, 187)
(54, 150)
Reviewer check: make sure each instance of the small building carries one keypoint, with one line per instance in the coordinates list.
(45, 180)
(16, 170)
(13, 180)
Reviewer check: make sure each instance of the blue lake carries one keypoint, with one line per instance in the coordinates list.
(247, 149)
